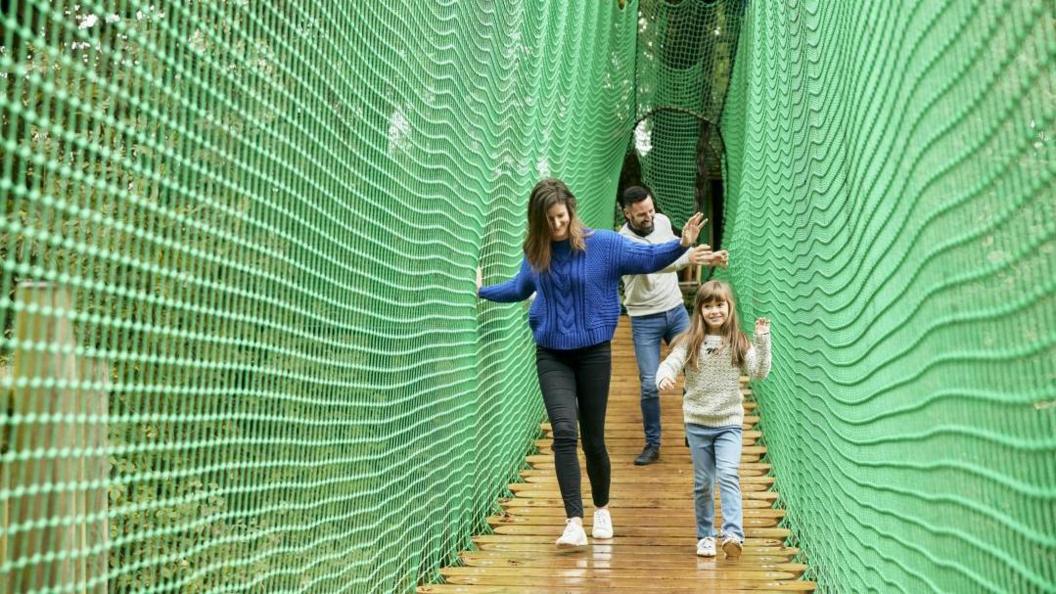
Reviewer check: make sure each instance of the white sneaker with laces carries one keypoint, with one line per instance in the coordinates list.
(602, 524)
(706, 547)
(573, 536)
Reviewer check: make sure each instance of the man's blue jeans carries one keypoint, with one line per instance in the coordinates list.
(647, 332)
(716, 453)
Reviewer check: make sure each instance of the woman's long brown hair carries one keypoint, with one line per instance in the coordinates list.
(545, 194)
(715, 292)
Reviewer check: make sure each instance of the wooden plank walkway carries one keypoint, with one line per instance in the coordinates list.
(654, 549)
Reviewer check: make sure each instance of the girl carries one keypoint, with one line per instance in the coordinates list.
(714, 352)
(574, 272)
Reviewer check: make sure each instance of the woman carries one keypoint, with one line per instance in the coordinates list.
(574, 272)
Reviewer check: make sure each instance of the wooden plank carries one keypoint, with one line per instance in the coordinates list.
(566, 589)
(682, 561)
(631, 441)
(654, 498)
(608, 583)
(705, 569)
(672, 432)
(634, 435)
(675, 540)
(621, 495)
(677, 459)
(620, 490)
(641, 503)
(656, 468)
(668, 519)
(749, 453)
(673, 445)
(544, 444)
(672, 419)
(630, 530)
(646, 481)
(666, 523)
(655, 516)
(631, 423)
(609, 548)
(666, 464)
(617, 558)
(625, 456)
(634, 427)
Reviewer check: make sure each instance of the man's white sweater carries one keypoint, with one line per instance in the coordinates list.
(713, 392)
(645, 294)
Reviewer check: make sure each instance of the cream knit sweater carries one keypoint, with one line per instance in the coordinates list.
(713, 393)
(645, 294)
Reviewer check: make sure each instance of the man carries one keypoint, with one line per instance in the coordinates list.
(654, 303)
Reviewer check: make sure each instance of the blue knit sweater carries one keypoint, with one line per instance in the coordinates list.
(576, 303)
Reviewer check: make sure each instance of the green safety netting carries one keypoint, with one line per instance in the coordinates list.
(685, 51)
(242, 346)
(241, 349)
(892, 209)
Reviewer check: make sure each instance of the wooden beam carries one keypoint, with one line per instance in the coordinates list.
(57, 448)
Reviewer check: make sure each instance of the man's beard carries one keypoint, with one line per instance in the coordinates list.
(641, 231)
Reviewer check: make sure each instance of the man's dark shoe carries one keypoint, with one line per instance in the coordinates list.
(649, 455)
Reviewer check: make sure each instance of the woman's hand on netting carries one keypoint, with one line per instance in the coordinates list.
(480, 279)
(691, 230)
(762, 326)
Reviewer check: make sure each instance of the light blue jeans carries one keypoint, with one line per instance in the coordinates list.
(716, 453)
(647, 332)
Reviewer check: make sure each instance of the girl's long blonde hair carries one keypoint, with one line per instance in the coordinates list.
(545, 194)
(715, 292)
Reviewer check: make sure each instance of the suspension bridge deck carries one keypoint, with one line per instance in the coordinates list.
(653, 549)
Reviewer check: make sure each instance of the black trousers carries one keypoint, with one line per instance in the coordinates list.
(577, 381)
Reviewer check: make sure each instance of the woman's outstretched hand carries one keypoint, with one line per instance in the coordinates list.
(720, 259)
(691, 230)
(480, 279)
(703, 256)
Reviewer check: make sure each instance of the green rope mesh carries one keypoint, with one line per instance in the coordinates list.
(893, 211)
(252, 229)
(685, 53)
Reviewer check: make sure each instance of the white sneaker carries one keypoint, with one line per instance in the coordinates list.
(573, 535)
(732, 547)
(706, 547)
(602, 524)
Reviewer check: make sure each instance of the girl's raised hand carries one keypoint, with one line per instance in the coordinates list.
(666, 384)
(691, 230)
(762, 326)
(480, 279)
